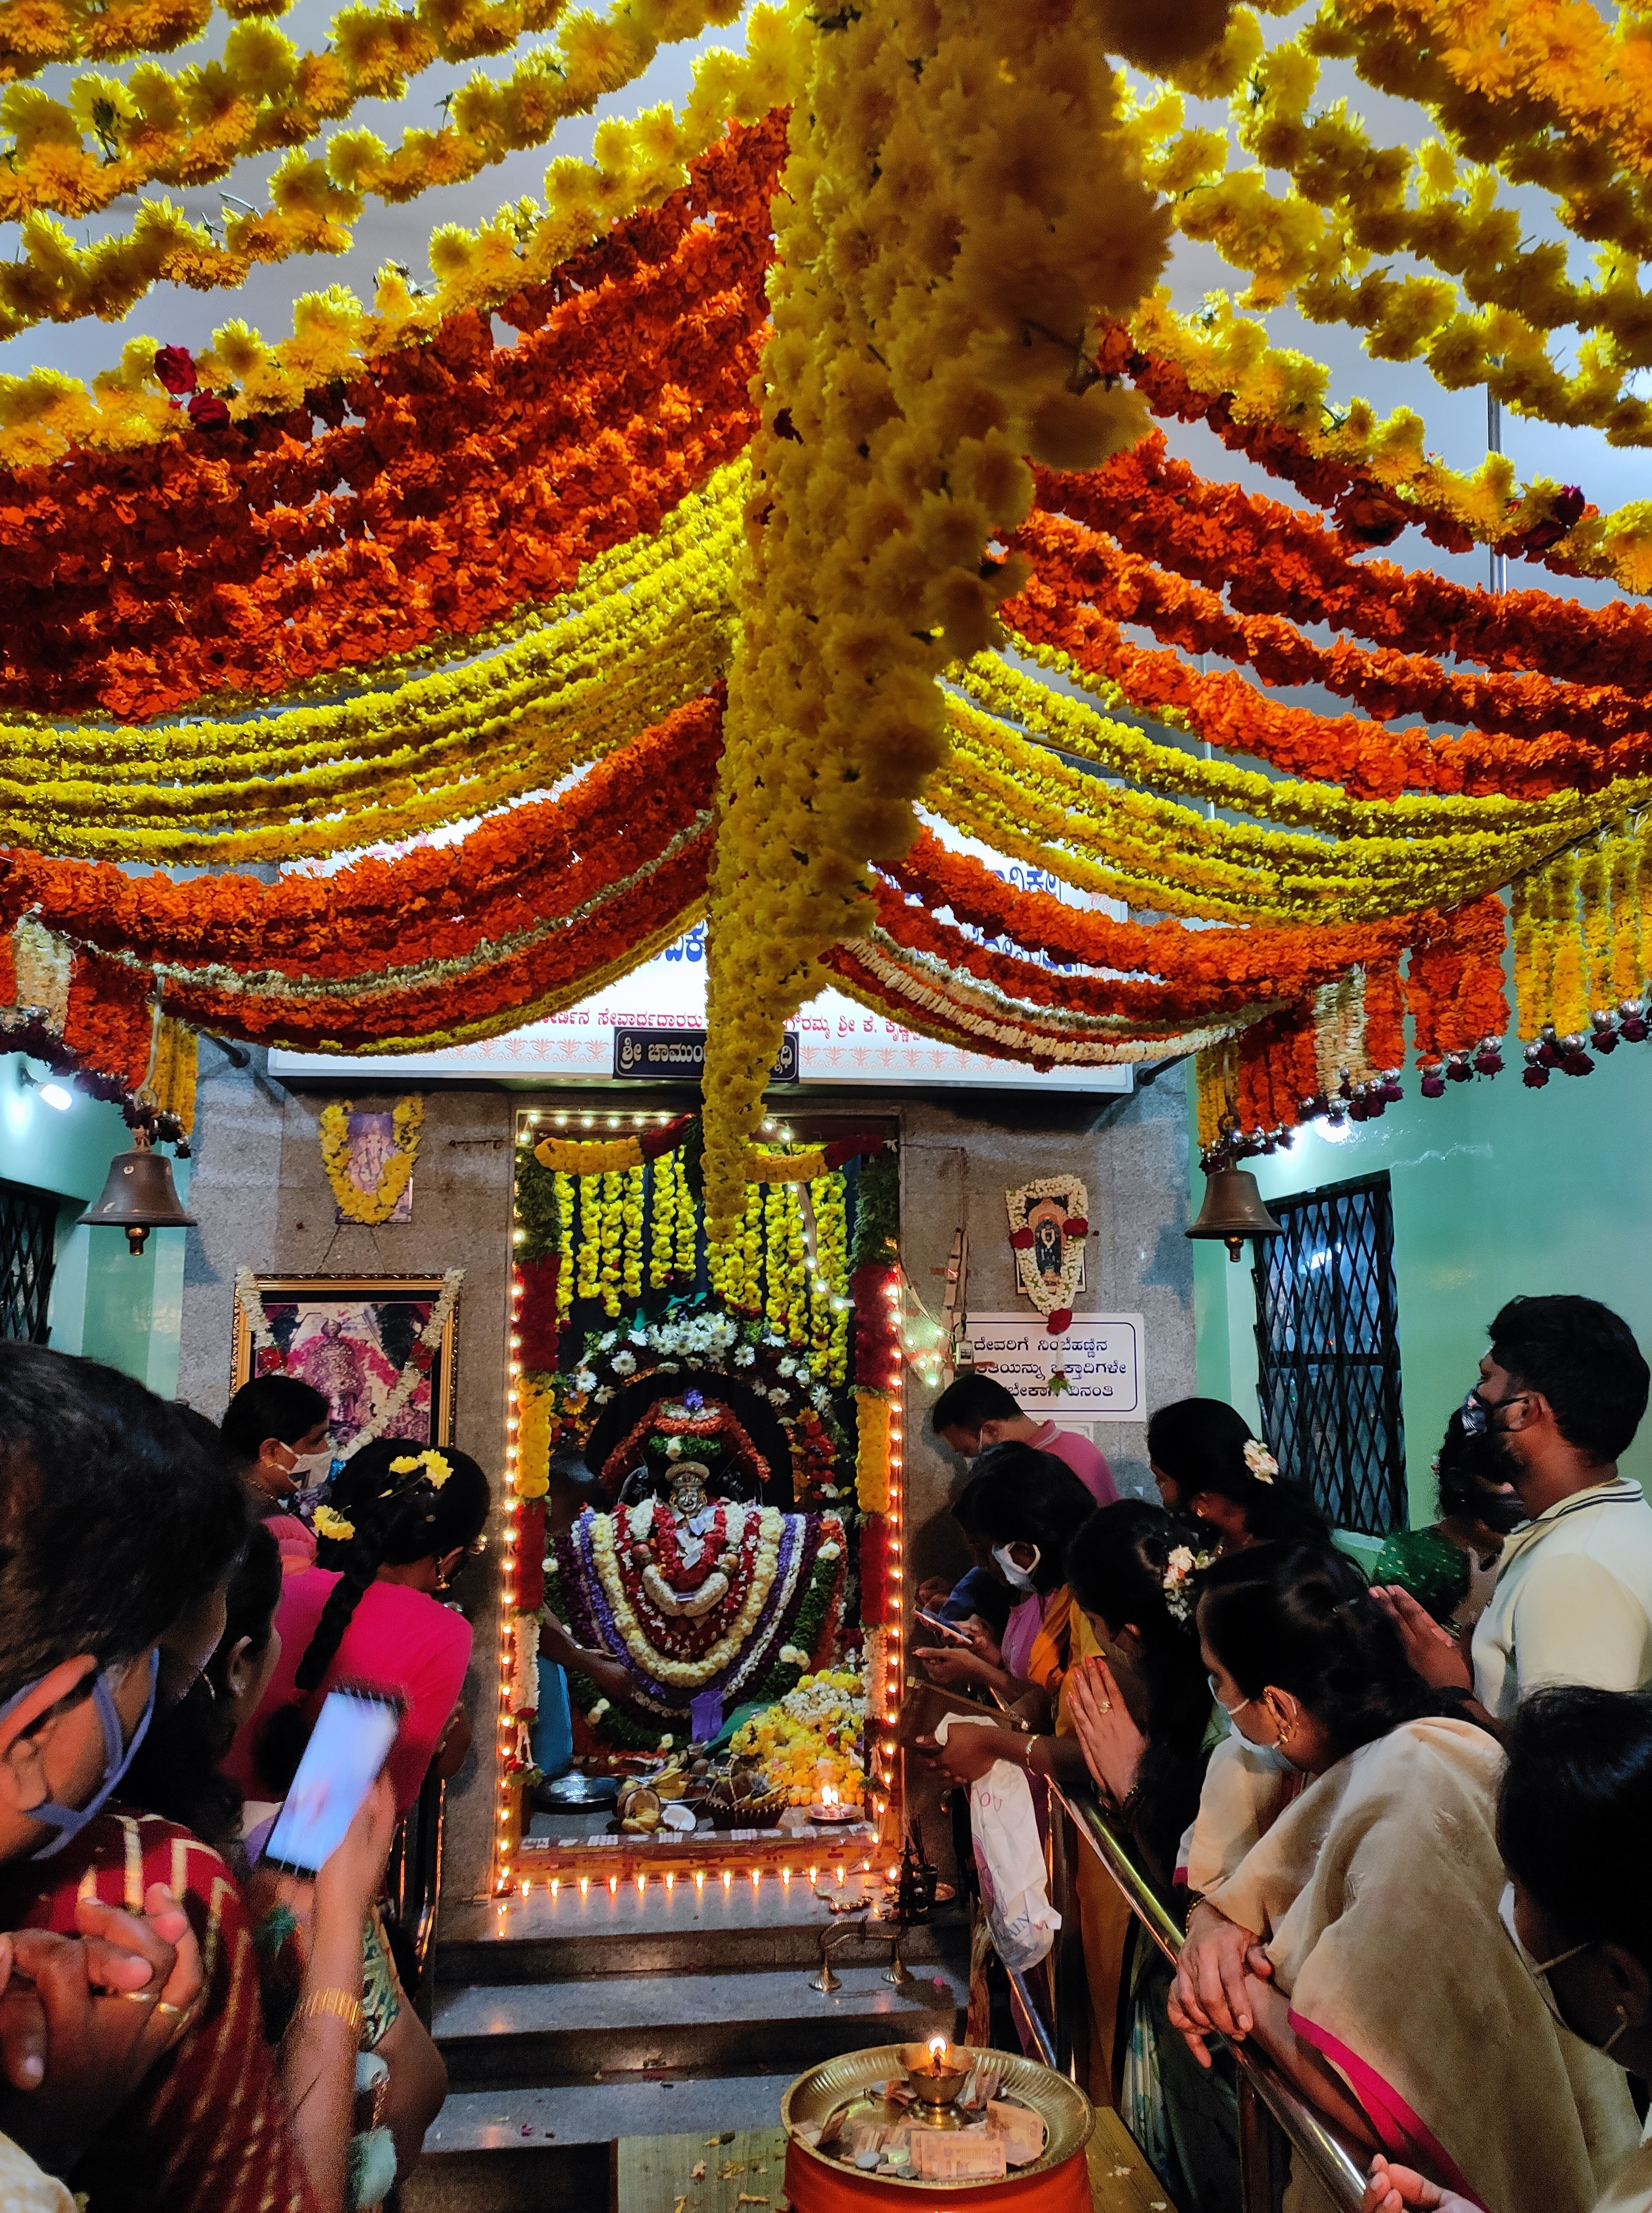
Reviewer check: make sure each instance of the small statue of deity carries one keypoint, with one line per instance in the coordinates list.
(708, 1597)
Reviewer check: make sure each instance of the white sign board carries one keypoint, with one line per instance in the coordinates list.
(838, 1040)
(1099, 1356)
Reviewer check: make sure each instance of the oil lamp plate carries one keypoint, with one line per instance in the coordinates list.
(855, 2079)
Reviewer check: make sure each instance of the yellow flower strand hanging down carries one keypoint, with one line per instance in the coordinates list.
(567, 1201)
(958, 208)
(377, 1205)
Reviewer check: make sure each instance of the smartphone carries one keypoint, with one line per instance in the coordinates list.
(942, 1627)
(348, 1746)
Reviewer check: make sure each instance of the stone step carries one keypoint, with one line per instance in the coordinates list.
(560, 2033)
(573, 1935)
(582, 2114)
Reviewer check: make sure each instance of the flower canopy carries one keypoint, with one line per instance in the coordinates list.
(793, 482)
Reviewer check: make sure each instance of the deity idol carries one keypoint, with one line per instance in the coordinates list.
(708, 1596)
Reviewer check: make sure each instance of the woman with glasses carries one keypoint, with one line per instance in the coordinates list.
(1358, 1939)
(1575, 1803)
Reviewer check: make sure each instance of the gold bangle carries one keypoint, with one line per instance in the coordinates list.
(340, 2004)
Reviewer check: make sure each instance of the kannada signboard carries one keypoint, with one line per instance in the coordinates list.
(1098, 1358)
(679, 1056)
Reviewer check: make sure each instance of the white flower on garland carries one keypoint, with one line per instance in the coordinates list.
(787, 1366)
(605, 1394)
(583, 1379)
(1260, 1461)
(792, 1657)
(746, 1355)
(623, 1362)
(673, 1448)
(777, 1397)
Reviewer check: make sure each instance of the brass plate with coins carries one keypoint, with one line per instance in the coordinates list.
(852, 2086)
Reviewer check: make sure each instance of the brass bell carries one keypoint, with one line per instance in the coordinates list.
(1233, 1209)
(138, 1194)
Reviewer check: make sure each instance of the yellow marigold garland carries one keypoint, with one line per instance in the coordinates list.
(932, 300)
(632, 1214)
(535, 1405)
(612, 1240)
(871, 1451)
(566, 1202)
(407, 1122)
(662, 1218)
(590, 1235)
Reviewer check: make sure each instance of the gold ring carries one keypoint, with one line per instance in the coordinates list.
(138, 1997)
(1104, 1705)
(166, 2006)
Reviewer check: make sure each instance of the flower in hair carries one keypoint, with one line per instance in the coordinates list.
(437, 1470)
(1180, 1569)
(1260, 1461)
(327, 1523)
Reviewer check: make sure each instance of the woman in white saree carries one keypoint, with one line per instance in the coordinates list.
(1574, 1815)
(1358, 1940)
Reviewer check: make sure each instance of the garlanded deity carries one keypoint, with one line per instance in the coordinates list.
(709, 1597)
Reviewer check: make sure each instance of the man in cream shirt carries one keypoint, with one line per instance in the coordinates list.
(1561, 1394)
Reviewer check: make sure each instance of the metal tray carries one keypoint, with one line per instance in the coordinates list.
(1066, 2112)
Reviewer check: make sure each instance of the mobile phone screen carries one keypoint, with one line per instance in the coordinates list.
(350, 1742)
(946, 1629)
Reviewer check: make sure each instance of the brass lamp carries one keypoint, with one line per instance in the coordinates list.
(1233, 1209)
(138, 1194)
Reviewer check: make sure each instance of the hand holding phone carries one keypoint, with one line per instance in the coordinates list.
(941, 1626)
(348, 1748)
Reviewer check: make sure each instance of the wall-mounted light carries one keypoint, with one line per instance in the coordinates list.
(53, 1095)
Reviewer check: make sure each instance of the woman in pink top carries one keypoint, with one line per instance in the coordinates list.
(400, 1518)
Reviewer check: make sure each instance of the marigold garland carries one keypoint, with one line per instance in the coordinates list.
(881, 544)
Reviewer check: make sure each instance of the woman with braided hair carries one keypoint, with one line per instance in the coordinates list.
(399, 1520)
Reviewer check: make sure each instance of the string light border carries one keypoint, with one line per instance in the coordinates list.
(883, 1764)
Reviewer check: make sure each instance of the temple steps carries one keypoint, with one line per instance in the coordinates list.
(567, 2023)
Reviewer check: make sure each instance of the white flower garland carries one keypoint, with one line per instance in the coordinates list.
(688, 1674)
(406, 1382)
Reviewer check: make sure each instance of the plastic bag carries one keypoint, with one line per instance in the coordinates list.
(1010, 1859)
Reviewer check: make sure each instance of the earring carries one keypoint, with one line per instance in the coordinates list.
(1285, 1729)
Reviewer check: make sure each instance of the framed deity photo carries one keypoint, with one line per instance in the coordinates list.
(375, 1346)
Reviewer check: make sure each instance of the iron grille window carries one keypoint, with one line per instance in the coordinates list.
(1328, 1352)
(28, 1230)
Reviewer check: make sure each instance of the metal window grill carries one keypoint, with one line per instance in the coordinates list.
(28, 1229)
(1328, 1352)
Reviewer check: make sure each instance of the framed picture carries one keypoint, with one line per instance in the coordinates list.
(369, 1148)
(358, 1339)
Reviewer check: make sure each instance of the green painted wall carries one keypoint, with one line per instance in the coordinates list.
(104, 1302)
(1497, 1190)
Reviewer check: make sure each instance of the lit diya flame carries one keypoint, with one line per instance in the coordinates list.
(937, 2053)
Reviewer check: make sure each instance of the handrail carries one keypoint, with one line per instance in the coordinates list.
(1335, 2166)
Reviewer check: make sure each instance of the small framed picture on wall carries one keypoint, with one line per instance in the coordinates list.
(379, 1348)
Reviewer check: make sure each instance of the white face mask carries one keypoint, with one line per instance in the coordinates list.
(1539, 1970)
(1018, 1577)
(309, 1468)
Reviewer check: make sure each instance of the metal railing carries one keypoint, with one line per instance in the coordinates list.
(414, 1882)
(1273, 2114)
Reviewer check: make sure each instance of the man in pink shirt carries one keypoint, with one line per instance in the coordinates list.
(973, 1412)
